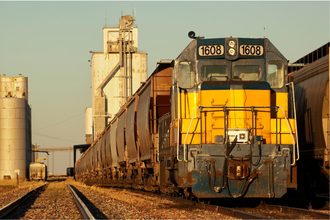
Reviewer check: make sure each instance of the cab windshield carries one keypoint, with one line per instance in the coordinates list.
(272, 72)
(247, 70)
(214, 73)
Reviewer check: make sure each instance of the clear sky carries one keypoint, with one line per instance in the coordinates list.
(50, 42)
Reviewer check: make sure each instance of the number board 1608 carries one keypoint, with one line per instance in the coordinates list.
(251, 50)
(211, 50)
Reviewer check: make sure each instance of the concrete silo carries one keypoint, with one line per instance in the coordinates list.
(116, 72)
(15, 127)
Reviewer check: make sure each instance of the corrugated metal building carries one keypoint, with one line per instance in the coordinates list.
(15, 127)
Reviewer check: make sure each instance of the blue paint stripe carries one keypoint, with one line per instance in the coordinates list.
(235, 85)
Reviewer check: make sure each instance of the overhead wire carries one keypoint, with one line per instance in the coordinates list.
(53, 137)
(60, 122)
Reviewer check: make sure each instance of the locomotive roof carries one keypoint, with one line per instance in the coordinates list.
(189, 52)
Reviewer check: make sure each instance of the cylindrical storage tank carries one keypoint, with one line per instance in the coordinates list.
(21, 87)
(15, 138)
(14, 86)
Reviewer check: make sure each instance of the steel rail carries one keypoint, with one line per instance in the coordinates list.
(312, 213)
(9, 208)
(239, 213)
(83, 209)
(234, 212)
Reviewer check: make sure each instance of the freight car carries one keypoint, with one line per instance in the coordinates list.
(312, 98)
(38, 171)
(213, 123)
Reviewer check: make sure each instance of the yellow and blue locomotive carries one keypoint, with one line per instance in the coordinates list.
(230, 121)
(216, 122)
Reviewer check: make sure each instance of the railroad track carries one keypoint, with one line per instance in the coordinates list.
(234, 212)
(72, 197)
(250, 209)
(267, 211)
(11, 207)
(86, 208)
(52, 201)
(296, 212)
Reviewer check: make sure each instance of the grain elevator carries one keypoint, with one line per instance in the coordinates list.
(116, 73)
(15, 127)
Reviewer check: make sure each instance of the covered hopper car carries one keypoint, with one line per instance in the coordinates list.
(216, 122)
(312, 100)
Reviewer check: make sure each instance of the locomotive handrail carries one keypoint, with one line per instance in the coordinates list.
(295, 117)
(185, 138)
(179, 116)
(225, 109)
(296, 155)
(245, 108)
(238, 107)
(295, 141)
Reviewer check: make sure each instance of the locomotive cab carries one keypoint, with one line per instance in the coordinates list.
(248, 63)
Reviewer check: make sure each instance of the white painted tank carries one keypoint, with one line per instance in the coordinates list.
(15, 137)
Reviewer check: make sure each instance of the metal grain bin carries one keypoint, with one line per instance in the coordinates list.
(15, 137)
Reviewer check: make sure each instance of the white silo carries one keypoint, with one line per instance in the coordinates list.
(15, 128)
(14, 86)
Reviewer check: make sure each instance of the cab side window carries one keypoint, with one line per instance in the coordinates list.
(184, 74)
(275, 74)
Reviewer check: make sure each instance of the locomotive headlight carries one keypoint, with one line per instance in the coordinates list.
(231, 43)
(231, 51)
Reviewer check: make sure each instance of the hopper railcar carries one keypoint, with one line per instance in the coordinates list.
(213, 123)
(312, 96)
